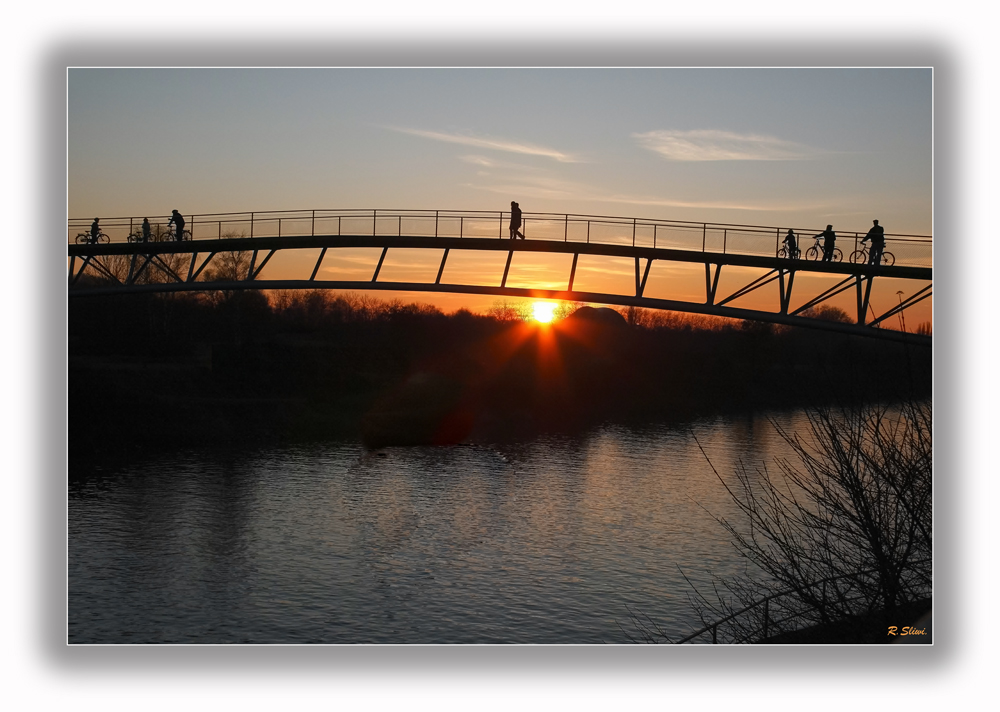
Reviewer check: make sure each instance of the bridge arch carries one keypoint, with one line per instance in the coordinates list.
(125, 265)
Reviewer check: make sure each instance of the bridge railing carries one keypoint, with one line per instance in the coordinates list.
(909, 250)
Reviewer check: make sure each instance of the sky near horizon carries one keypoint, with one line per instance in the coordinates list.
(777, 147)
(756, 146)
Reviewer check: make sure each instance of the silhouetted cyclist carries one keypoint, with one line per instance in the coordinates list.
(829, 242)
(95, 231)
(515, 221)
(145, 230)
(178, 220)
(792, 245)
(877, 236)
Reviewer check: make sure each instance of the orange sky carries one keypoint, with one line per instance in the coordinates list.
(666, 280)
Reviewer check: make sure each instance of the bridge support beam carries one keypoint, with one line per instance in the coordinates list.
(711, 284)
(905, 304)
(142, 268)
(572, 272)
(831, 292)
(506, 269)
(378, 267)
(441, 268)
(197, 272)
(322, 254)
(863, 300)
(253, 261)
(640, 286)
(759, 282)
(785, 293)
(165, 268)
(83, 266)
(254, 273)
(99, 266)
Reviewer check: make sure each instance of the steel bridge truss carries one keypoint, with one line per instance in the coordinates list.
(145, 259)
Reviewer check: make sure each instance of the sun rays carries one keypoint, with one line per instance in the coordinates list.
(544, 312)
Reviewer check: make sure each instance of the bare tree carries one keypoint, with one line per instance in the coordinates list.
(502, 310)
(828, 312)
(229, 265)
(841, 530)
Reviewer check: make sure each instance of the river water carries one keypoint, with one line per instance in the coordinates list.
(547, 541)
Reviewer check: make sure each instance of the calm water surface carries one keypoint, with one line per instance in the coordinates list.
(540, 542)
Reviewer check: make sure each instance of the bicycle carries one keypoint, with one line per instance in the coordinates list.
(85, 238)
(861, 257)
(162, 237)
(816, 252)
(783, 254)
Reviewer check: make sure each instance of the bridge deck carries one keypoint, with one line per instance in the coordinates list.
(497, 245)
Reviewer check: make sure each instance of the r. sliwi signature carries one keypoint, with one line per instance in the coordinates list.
(907, 630)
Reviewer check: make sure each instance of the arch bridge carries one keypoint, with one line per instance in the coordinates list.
(126, 264)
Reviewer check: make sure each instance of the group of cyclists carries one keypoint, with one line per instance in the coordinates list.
(176, 220)
(876, 235)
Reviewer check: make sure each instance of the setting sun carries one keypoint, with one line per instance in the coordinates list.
(544, 311)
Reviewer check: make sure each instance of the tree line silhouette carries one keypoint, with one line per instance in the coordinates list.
(232, 367)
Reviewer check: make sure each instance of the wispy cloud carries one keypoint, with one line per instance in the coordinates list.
(479, 161)
(495, 144)
(712, 145)
(557, 189)
(710, 204)
(538, 186)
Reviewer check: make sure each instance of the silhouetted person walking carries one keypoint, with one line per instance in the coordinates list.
(178, 220)
(515, 221)
(95, 231)
(145, 230)
(877, 236)
(829, 242)
(792, 245)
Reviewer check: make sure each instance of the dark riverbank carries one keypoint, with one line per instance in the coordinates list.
(909, 625)
(161, 372)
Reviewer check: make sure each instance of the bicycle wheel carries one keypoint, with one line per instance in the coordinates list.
(859, 257)
(782, 254)
(888, 259)
(813, 253)
(103, 238)
(838, 256)
(83, 238)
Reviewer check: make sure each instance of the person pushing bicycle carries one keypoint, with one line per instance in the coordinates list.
(178, 220)
(95, 232)
(792, 245)
(829, 242)
(877, 236)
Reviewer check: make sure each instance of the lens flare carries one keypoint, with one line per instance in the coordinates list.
(544, 311)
